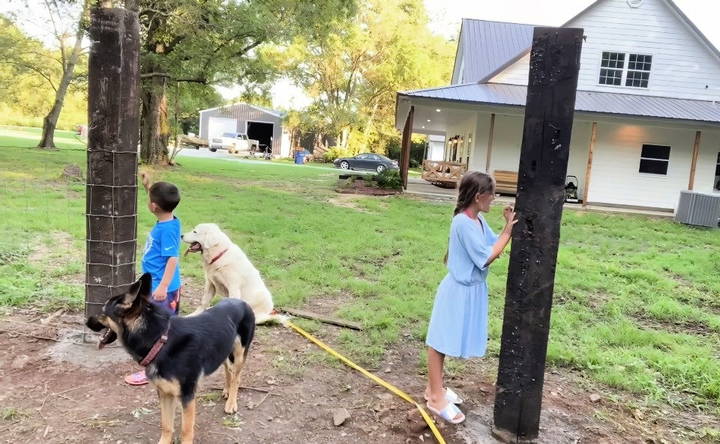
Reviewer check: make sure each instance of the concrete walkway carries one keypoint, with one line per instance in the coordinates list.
(423, 189)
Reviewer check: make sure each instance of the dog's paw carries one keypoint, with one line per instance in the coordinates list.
(231, 407)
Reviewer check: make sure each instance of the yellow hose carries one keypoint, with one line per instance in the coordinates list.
(369, 375)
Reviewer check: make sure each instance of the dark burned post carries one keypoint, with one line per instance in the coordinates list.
(554, 64)
(113, 113)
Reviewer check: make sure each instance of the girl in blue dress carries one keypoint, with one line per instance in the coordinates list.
(459, 322)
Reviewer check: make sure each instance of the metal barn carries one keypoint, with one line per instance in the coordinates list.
(262, 124)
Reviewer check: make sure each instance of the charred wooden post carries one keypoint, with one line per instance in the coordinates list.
(554, 64)
(113, 113)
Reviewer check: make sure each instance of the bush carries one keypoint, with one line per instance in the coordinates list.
(414, 163)
(334, 153)
(390, 179)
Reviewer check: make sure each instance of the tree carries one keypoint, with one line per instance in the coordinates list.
(65, 22)
(353, 75)
(213, 42)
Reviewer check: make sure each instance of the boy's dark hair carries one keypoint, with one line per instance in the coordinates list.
(165, 195)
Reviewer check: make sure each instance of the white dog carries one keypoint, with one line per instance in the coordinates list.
(229, 272)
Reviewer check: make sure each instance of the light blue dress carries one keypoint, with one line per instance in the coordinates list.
(459, 322)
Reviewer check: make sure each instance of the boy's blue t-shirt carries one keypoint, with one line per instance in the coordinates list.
(162, 243)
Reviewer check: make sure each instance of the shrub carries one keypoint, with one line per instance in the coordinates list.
(390, 179)
(414, 163)
(334, 153)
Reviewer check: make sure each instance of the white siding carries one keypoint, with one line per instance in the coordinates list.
(615, 176)
(507, 141)
(681, 66)
(705, 169)
(507, 144)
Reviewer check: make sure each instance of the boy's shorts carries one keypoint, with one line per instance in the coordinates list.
(171, 302)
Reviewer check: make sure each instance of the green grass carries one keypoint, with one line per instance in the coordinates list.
(636, 304)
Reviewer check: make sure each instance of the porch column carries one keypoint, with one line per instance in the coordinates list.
(693, 164)
(588, 168)
(405, 148)
(490, 143)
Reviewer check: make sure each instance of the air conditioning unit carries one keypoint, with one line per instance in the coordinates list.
(698, 209)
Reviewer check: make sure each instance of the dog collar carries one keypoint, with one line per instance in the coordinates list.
(218, 256)
(156, 348)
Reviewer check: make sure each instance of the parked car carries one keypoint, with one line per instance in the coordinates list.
(366, 161)
(234, 143)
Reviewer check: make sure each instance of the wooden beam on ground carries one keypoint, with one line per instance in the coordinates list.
(693, 164)
(554, 65)
(588, 168)
(491, 136)
(324, 319)
(406, 146)
(113, 113)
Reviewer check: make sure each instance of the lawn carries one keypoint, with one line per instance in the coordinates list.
(637, 299)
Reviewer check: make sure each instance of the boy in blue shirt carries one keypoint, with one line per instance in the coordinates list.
(162, 250)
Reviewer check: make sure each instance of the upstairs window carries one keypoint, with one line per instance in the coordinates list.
(617, 69)
(654, 159)
(612, 68)
(638, 72)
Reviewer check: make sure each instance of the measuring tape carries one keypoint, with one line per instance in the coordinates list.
(371, 376)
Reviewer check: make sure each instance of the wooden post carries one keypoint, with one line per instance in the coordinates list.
(406, 146)
(113, 113)
(693, 164)
(588, 168)
(490, 143)
(554, 64)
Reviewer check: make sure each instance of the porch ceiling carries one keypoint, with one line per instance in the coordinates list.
(432, 117)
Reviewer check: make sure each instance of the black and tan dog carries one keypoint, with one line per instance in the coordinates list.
(177, 351)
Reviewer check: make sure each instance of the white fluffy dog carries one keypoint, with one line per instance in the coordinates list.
(229, 272)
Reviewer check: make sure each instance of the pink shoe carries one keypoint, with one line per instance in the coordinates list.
(138, 378)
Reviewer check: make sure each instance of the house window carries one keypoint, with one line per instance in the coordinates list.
(612, 68)
(717, 174)
(654, 159)
(638, 72)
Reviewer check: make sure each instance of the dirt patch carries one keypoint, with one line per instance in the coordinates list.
(360, 186)
(64, 390)
(348, 201)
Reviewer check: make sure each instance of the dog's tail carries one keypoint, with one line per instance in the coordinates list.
(273, 316)
(246, 331)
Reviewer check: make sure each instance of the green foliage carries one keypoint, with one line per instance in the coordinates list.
(354, 73)
(28, 75)
(389, 179)
(335, 153)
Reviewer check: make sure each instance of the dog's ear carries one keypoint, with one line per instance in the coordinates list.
(213, 236)
(142, 288)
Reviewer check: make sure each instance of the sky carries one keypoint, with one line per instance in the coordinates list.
(446, 15)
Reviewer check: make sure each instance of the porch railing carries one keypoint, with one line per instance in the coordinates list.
(443, 173)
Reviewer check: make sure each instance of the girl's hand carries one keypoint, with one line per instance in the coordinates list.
(509, 214)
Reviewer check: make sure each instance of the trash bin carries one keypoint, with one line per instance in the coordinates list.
(300, 157)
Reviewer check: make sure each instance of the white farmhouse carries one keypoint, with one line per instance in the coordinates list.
(647, 117)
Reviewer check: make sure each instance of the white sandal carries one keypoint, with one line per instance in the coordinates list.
(450, 396)
(448, 413)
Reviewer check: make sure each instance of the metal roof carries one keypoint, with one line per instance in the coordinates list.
(491, 46)
(585, 101)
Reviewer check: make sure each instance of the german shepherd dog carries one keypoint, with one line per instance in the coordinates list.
(177, 351)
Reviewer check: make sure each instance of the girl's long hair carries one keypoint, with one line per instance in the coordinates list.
(472, 184)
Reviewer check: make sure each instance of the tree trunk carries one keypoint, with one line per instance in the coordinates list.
(50, 121)
(154, 128)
